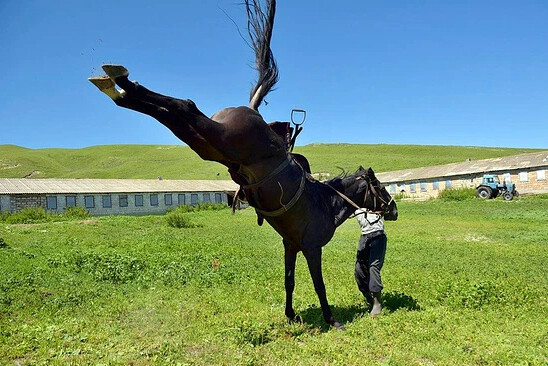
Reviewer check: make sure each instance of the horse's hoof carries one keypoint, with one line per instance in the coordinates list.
(115, 71)
(338, 326)
(296, 319)
(106, 85)
(102, 82)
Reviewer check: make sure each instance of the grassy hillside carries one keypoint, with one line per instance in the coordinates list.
(179, 162)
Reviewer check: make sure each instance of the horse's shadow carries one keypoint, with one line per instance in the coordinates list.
(392, 301)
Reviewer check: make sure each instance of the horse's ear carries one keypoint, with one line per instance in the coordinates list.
(370, 172)
(360, 168)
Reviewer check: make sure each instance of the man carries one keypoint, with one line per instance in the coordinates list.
(370, 257)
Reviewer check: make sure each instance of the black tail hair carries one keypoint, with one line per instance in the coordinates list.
(260, 23)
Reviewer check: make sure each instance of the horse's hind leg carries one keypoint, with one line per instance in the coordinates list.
(314, 261)
(290, 259)
(186, 110)
(183, 131)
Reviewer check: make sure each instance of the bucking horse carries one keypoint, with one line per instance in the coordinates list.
(274, 181)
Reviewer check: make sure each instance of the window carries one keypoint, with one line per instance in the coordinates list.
(71, 201)
(181, 198)
(401, 188)
(218, 198)
(541, 174)
(138, 200)
(194, 199)
(523, 176)
(423, 186)
(154, 200)
(436, 185)
(507, 178)
(107, 201)
(123, 200)
(412, 187)
(51, 202)
(448, 184)
(392, 189)
(89, 201)
(168, 199)
(206, 197)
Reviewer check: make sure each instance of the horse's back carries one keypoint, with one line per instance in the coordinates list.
(245, 130)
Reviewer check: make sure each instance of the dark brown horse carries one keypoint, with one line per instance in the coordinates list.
(304, 211)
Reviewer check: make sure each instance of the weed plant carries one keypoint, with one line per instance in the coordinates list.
(35, 215)
(78, 213)
(202, 206)
(457, 194)
(179, 220)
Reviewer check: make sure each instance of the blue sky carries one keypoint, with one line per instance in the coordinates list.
(471, 73)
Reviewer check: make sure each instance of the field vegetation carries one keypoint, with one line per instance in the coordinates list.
(465, 284)
(179, 162)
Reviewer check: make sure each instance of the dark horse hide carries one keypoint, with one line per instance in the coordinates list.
(304, 211)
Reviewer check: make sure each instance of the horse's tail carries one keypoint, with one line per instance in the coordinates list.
(259, 26)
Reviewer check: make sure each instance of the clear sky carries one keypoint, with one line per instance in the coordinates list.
(398, 72)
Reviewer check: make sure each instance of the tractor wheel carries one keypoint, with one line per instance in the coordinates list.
(508, 196)
(484, 192)
(516, 194)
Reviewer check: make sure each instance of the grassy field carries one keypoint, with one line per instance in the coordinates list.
(179, 162)
(465, 284)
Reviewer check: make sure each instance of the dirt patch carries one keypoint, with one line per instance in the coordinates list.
(25, 226)
(88, 222)
(32, 174)
(476, 238)
(9, 166)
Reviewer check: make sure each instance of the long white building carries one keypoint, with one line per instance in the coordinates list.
(111, 196)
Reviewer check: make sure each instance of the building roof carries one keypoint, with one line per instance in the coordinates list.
(75, 186)
(507, 163)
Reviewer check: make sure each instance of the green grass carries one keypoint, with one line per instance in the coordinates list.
(465, 284)
(179, 162)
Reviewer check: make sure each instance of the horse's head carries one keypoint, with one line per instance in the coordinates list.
(369, 193)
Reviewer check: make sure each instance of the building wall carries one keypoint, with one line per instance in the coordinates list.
(20, 201)
(14, 203)
(527, 181)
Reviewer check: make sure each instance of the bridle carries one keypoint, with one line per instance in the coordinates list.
(370, 189)
(376, 196)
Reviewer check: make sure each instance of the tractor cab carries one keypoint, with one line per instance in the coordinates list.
(490, 179)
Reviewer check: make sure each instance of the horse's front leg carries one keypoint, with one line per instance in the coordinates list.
(314, 260)
(290, 259)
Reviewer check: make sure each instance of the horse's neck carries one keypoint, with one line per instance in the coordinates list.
(341, 209)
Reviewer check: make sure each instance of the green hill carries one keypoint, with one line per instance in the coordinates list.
(179, 162)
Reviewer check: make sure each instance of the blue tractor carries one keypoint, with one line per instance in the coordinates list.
(491, 187)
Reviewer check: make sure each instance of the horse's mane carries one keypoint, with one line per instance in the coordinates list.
(259, 27)
(338, 180)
